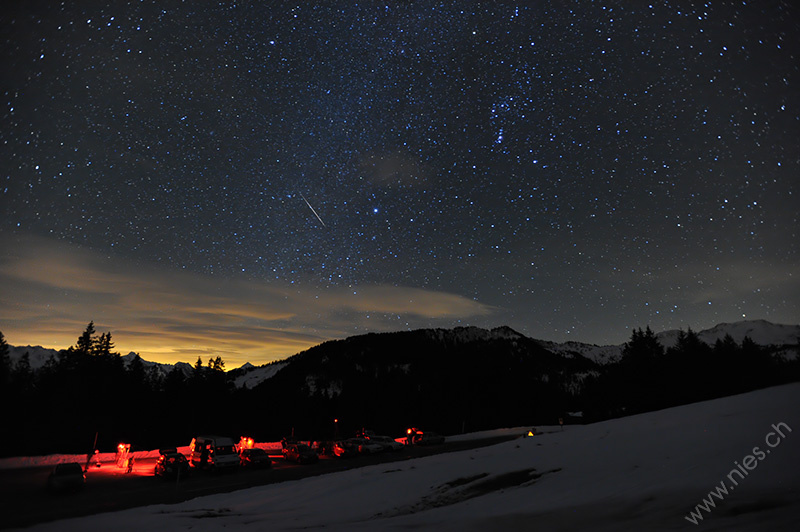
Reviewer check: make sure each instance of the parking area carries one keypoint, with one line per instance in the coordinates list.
(24, 499)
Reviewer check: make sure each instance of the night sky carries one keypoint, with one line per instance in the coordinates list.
(250, 179)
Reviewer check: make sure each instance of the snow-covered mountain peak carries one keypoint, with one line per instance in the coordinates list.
(462, 335)
(253, 375)
(37, 355)
(762, 332)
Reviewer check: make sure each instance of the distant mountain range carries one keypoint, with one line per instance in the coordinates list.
(446, 380)
(38, 357)
(761, 332)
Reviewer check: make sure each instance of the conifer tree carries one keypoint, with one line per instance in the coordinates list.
(199, 373)
(174, 382)
(136, 369)
(689, 345)
(4, 349)
(22, 375)
(104, 345)
(725, 348)
(643, 346)
(86, 341)
(5, 360)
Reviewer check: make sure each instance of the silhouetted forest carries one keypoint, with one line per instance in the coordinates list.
(87, 390)
(433, 379)
(648, 377)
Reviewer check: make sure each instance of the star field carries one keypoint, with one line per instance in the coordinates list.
(576, 168)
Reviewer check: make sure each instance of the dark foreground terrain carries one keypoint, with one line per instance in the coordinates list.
(24, 501)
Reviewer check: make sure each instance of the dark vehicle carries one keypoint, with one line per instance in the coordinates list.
(254, 458)
(300, 453)
(171, 464)
(417, 437)
(323, 448)
(66, 477)
(386, 442)
(365, 446)
(429, 438)
(344, 449)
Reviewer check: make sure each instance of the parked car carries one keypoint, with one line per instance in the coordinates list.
(365, 446)
(344, 449)
(323, 448)
(386, 442)
(300, 453)
(429, 438)
(254, 458)
(415, 436)
(66, 477)
(213, 452)
(171, 464)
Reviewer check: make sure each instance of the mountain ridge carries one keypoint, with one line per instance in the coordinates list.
(762, 332)
(446, 380)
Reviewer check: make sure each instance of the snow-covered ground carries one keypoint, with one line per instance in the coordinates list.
(645, 472)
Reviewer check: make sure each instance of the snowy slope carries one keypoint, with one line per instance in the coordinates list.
(257, 375)
(163, 369)
(602, 354)
(645, 472)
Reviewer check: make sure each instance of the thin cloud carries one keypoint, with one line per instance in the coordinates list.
(167, 315)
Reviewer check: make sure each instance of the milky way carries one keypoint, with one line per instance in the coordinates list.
(579, 168)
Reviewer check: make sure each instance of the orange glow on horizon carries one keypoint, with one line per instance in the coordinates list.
(52, 290)
(152, 350)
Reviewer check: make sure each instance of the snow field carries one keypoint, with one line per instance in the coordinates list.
(641, 472)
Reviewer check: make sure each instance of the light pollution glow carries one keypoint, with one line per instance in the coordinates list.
(53, 290)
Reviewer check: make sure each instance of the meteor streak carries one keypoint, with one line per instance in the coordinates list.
(312, 210)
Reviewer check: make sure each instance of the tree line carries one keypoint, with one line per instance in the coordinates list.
(87, 389)
(649, 377)
(382, 382)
